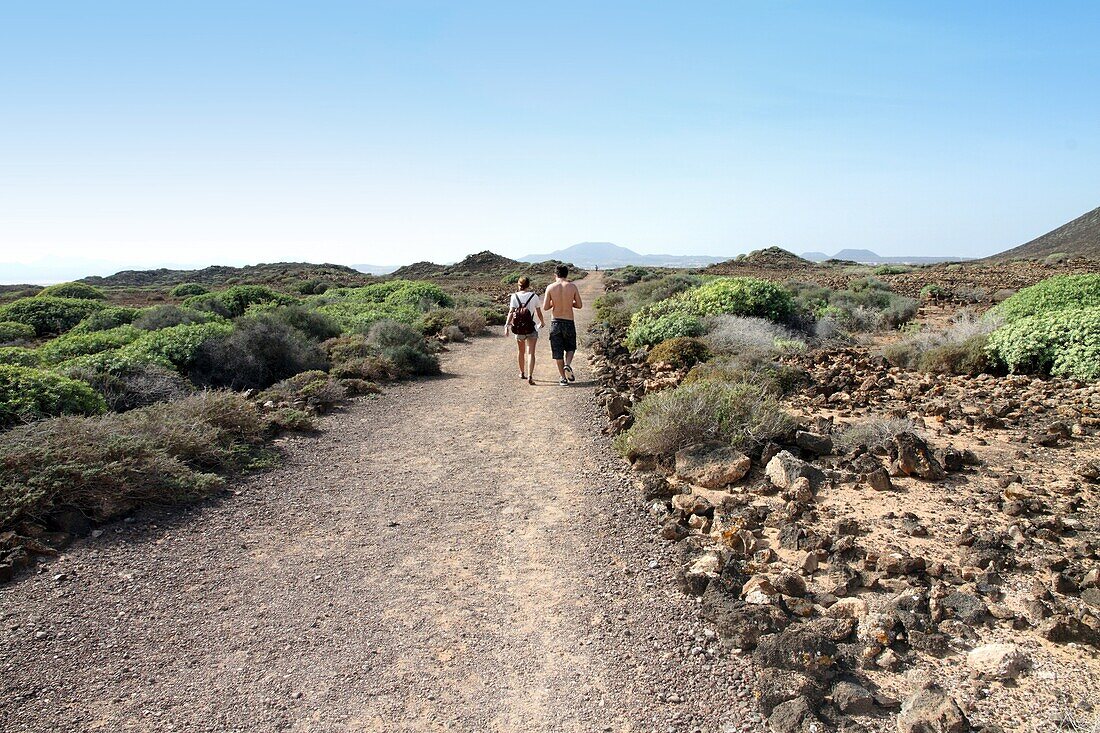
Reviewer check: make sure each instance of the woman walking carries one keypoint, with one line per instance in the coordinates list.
(522, 309)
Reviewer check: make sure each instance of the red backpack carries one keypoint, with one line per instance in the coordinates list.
(523, 321)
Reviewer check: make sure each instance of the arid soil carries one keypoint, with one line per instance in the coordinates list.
(459, 554)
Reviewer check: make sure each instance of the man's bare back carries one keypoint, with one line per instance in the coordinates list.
(562, 297)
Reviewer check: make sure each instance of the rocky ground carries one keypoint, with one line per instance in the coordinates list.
(941, 561)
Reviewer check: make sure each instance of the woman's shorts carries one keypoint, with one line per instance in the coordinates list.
(533, 336)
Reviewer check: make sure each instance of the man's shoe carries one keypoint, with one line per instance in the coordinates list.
(563, 382)
(569, 373)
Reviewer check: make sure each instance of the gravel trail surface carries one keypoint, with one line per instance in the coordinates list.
(462, 553)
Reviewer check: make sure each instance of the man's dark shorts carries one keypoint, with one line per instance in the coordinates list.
(563, 337)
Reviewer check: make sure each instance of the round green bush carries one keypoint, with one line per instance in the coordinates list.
(29, 394)
(681, 314)
(239, 297)
(682, 352)
(72, 345)
(14, 331)
(186, 290)
(1057, 293)
(648, 328)
(47, 314)
(106, 319)
(740, 296)
(1065, 343)
(20, 356)
(80, 291)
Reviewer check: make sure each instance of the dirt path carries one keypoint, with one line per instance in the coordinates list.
(431, 562)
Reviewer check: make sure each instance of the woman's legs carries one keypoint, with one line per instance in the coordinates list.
(521, 344)
(531, 344)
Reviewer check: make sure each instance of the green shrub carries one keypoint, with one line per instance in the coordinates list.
(29, 394)
(132, 385)
(177, 346)
(314, 324)
(312, 287)
(681, 314)
(934, 292)
(166, 316)
(891, 269)
(739, 413)
(106, 319)
(750, 366)
(238, 298)
(107, 466)
(20, 356)
(355, 387)
(13, 332)
(405, 347)
(682, 352)
(612, 309)
(314, 389)
(648, 328)
(257, 352)
(1064, 343)
(1060, 292)
(72, 345)
(187, 290)
(49, 315)
(1055, 258)
(374, 368)
(80, 291)
(434, 321)
(209, 303)
(629, 274)
(291, 419)
(740, 296)
(348, 346)
(471, 320)
(966, 357)
(493, 316)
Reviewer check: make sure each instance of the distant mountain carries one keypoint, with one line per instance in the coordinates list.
(867, 257)
(375, 269)
(607, 255)
(1080, 238)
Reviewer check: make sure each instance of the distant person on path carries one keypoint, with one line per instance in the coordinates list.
(522, 309)
(562, 297)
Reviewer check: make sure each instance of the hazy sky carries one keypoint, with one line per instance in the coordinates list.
(385, 132)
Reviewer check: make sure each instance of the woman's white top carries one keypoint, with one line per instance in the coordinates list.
(520, 298)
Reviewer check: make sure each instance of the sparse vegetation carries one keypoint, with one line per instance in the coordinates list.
(870, 432)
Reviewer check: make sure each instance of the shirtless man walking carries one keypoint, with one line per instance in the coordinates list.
(562, 297)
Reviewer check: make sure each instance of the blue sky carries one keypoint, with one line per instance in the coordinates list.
(386, 132)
